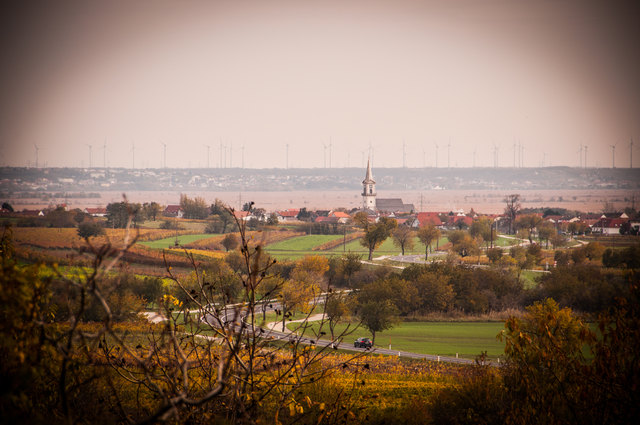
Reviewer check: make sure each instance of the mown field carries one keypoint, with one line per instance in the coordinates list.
(467, 339)
(170, 241)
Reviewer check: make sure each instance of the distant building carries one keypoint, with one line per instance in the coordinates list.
(369, 190)
(371, 203)
(173, 211)
(96, 212)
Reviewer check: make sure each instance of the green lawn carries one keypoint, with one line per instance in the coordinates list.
(169, 242)
(300, 246)
(505, 242)
(387, 248)
(302, 243)
(467, 339)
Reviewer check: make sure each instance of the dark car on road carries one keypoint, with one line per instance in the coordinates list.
(363, 343)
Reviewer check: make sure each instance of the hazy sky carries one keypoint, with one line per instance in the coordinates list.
(361, 75)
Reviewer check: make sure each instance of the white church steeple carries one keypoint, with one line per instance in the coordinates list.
(369, 190)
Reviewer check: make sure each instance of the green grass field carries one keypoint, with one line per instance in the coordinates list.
(300, 246)
(387, 248)
(468, 339)
(169, 242)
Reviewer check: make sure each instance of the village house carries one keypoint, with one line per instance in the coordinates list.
(173, 211)
(96, 212)
(288, 215)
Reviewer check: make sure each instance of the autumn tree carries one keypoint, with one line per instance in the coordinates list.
(194, 208)
(374, 233)
(482, 227)
(336, 309)
(90, 229)
(511, 210)
(546, 231)
(528, 222)
(151, 210)
(427, 234)
(120, 214)
(222, 220)
(350, 265)
(403, 238)
(229, 242)
(462, 243)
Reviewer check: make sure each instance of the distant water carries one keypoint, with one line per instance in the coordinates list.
(482, 201)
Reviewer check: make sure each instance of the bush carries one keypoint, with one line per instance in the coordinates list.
(90, 229)
(170, 225)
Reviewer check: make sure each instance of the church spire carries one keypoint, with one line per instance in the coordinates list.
(369, 177)
(369, 190)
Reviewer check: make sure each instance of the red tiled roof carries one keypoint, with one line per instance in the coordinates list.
(340, 214)
(99, 210)
(432, 218)
(173, 209)
(289, 213)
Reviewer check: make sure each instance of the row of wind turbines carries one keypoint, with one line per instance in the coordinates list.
(226, 155)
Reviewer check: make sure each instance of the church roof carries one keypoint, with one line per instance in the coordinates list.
(369, 177)
(393, 205)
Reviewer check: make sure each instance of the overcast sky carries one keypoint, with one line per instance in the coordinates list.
(367, 77)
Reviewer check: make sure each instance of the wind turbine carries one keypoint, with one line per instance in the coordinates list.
(631, 153)
(133, 155)
(449, 154)
(208, 154)
(613, 155)
(104, 153)
(586, 148)
(164, 155)
(404, 154)
(90, 153)
(436, 155)
(324, 155)
(37, 149)
(580, 154)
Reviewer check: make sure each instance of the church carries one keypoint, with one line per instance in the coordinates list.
(370, 201)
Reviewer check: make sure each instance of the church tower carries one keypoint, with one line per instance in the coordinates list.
(369, 190)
